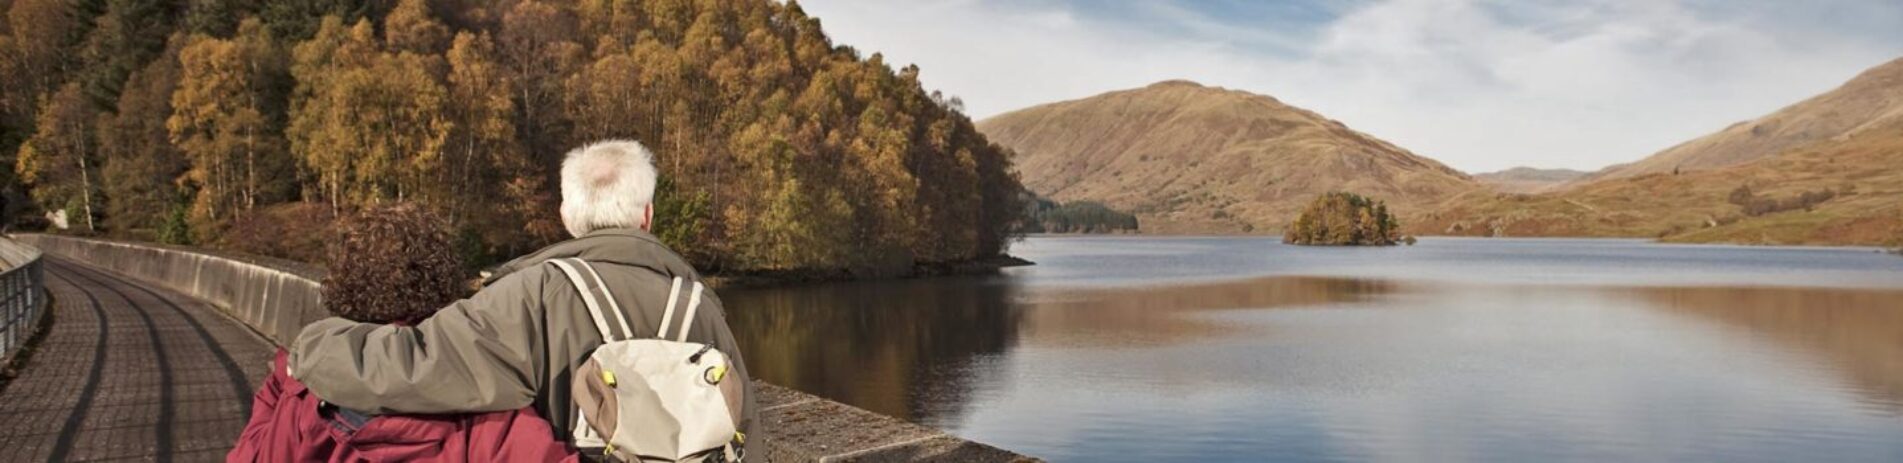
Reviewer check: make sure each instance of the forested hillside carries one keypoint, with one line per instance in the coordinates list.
(239, 122)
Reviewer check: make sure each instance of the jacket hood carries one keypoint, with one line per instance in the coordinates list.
(624, 246)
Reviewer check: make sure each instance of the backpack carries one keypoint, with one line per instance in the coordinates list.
(653, 399)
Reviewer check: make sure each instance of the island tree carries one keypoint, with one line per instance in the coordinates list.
(1343, 219)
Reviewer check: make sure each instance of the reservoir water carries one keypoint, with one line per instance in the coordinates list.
(1244, 349)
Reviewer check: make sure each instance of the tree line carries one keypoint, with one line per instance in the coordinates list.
(1753, 205)
(193, 122)
(1047, 216)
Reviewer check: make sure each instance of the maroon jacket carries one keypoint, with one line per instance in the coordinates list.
(289, 423)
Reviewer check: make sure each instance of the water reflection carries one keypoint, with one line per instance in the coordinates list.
(1168, 314)
(1858, 333)
(1122, 350)
(907, 348)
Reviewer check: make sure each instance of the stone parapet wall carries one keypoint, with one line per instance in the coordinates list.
(277, 298)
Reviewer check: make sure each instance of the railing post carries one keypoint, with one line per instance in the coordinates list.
(14, 314)
(20, 301)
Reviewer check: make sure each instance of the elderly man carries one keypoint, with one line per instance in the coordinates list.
(518, 341)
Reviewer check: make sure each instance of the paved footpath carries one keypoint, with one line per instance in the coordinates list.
(130, 372)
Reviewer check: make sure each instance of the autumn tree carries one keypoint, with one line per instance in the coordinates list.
(538, 49)
(484, 151)
(1340, 218)
(60, 164)
(412, 28)
(15, 120)
(223, 124)
(34, 57)
(778, 149)
(44, 34)
(369, 124)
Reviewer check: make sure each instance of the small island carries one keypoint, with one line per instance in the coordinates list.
(1344, 219)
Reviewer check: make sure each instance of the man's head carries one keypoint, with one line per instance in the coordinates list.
(609, 184)
(392, 264)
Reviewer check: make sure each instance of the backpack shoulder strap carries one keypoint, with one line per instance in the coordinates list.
(620, 317)
(693, 305)
(667, 315)
(673, 299)
(587, 297)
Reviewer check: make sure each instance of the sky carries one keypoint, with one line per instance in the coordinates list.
(1481, 85)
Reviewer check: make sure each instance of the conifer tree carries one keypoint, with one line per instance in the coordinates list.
(125, 36)
(141, 164)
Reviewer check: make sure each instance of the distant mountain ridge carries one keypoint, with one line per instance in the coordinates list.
(1871, 99)
(1188, 158)
(1745, 184)
(1528, 179)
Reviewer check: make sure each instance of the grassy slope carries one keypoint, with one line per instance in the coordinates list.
(1192, 159)
(1692, 207)
(1873, 99)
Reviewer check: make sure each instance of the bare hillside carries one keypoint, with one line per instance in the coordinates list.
(1186, 158)
(1527, 179)
(1873, 98)
(1824, 171)
(1859, 173)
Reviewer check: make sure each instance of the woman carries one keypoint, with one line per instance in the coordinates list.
(395, 265)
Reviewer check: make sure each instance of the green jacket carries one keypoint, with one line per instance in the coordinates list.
(515, 343)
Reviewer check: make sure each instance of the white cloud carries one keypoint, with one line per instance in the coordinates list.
(1480, 85)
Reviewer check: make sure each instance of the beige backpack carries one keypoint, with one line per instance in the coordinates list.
(652, 399)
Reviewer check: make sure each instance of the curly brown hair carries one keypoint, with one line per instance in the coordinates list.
(394, 263)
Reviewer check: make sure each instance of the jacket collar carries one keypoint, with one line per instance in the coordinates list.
(625, 246)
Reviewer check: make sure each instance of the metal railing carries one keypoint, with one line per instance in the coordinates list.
(22, 295)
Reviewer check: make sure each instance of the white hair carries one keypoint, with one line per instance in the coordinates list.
(607, 185)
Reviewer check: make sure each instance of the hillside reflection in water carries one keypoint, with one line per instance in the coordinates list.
(1458, 366)
(904, 348)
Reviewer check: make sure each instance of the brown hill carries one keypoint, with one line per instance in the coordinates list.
(1872, 99)
(1844, 188)
(1186, 158)
(1694, 207)
(1527, 179)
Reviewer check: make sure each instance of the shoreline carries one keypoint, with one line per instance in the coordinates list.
(770, 278)
(1649, 239)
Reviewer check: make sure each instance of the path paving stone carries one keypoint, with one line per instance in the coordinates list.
(131, 372)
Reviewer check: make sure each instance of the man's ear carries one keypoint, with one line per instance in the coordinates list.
(647, 218)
